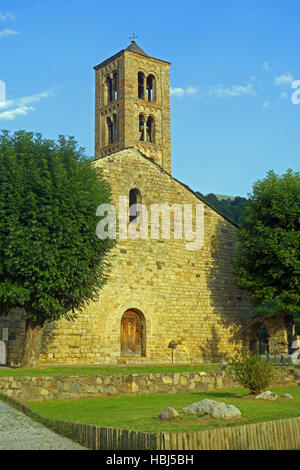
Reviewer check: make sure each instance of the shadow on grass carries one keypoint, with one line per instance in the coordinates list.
(220, 394)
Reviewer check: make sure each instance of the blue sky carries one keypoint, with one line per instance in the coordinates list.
(233, 66)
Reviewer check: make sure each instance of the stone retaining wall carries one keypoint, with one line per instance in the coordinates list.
(85, 386)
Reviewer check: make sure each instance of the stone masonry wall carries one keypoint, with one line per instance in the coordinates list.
(187, 294)
(184, 294)
(71, 387)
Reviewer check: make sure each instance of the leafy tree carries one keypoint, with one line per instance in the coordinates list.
(268, 263)
(51, 261)
(233, 209)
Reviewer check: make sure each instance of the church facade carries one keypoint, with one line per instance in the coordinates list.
(159, 293)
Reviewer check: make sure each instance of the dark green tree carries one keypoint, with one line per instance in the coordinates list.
(268, 263)
(51, 261)
(233, 208)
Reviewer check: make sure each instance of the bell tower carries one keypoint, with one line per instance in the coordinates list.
(132, 105)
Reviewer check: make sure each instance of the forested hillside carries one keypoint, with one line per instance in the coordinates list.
(232, 208)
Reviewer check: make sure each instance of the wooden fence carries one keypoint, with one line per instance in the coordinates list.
(281, 434)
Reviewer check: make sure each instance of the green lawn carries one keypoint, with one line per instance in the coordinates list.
(97, 370)
(140, 413)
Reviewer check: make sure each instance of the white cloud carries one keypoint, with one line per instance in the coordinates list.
(217, 90)
(177, 91)
(190, 90)
(7, 16)
(11, 109)
(284, 79)
(7, 32)
(14, 113)
(235, 90)
(266, 67)
(266, 104)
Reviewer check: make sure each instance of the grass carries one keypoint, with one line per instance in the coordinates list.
(140, 413)
(99, 370)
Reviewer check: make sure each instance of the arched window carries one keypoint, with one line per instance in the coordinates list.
(150, 130)
(141, 86)
(115, 128)
(109, 89)
(115, 83)
(142, 125)
(135, 197)
(110, 131)
(151, 88)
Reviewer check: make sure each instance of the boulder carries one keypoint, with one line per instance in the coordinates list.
(167, 414)
(213, 408)
(268, 395)
(201, 407)
(223, 365)
(223, 411)
(286, 395)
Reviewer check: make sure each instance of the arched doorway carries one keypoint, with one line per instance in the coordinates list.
(133, 341)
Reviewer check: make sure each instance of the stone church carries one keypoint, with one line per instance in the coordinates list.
(159, 293)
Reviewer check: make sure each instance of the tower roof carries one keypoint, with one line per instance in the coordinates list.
(133, 47)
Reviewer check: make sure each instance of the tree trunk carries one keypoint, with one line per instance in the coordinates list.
(32, 344)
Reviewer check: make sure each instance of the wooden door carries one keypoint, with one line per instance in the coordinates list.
(131, 334)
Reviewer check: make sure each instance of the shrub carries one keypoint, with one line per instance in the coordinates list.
(252, 373)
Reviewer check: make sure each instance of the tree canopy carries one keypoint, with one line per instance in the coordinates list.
(232, 208)
(51, 261)
(268, 263)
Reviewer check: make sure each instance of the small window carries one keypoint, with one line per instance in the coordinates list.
(135, 197)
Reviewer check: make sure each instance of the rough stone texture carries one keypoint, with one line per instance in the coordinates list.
(167, 414)
(18, 432)
(286, 396)
(268, 395)
(223, 411)
(69, 387)
(201, 407)
(216, 409)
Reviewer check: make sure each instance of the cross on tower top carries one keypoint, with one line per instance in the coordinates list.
(133, 37)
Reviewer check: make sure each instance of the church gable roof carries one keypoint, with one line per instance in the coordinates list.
(137, 152)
